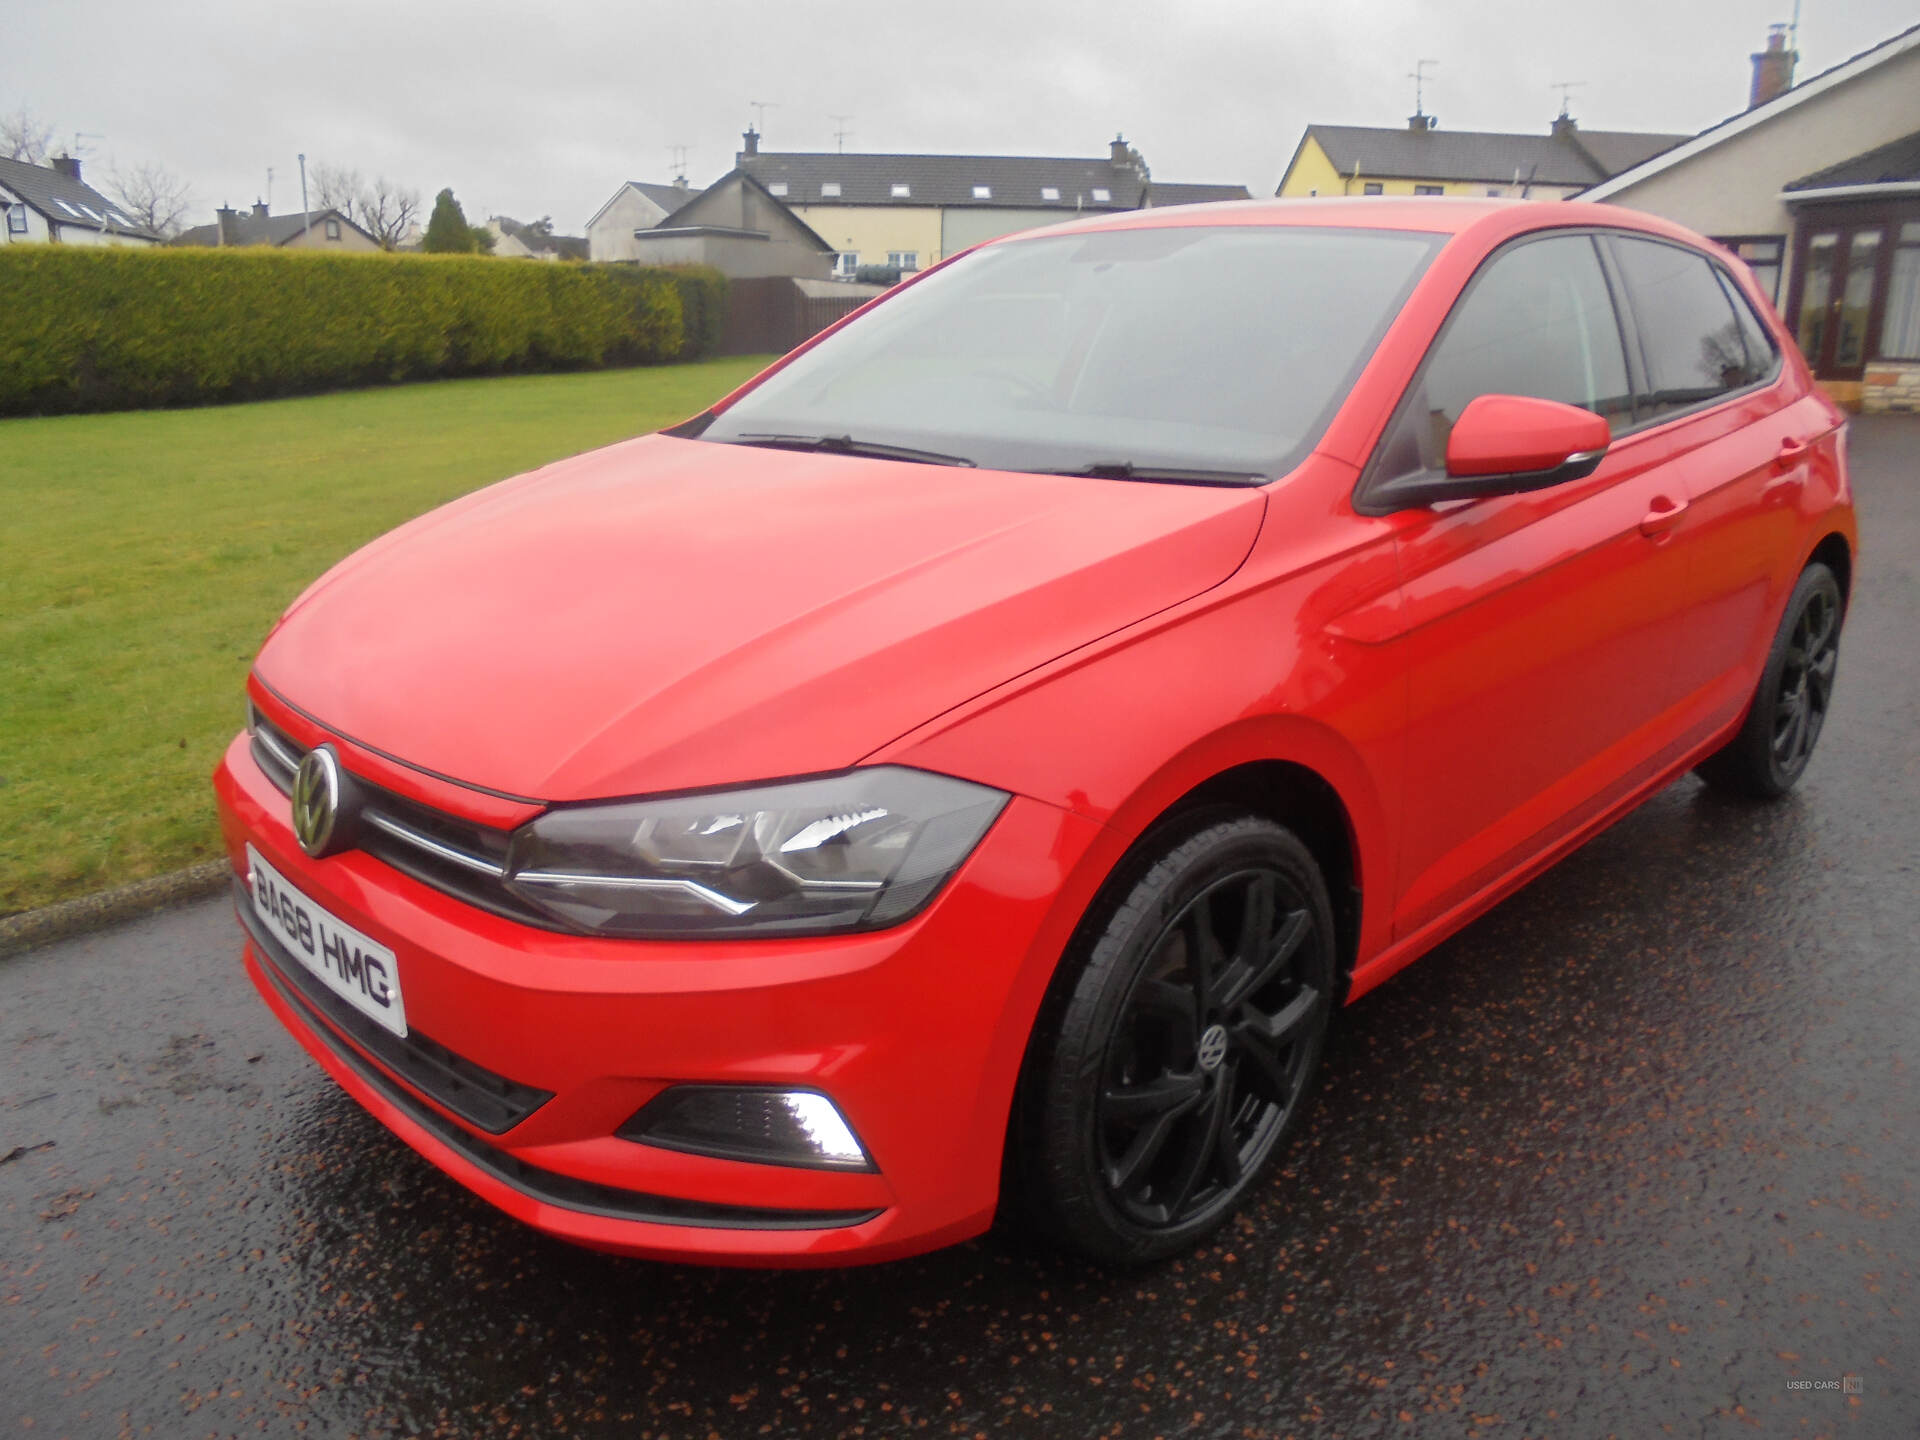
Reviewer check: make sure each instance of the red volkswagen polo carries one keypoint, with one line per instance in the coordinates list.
(969, 765)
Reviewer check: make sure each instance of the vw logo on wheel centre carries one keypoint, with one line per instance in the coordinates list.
(1213, 1047)
(316, 800)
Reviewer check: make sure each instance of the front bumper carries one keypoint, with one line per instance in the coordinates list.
(916, 1033)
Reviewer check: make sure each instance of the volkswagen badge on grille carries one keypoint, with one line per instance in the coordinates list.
(316, 800)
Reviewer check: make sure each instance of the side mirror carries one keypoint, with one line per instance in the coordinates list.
(1506, 444)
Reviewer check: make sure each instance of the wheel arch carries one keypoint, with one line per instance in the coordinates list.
(1307, 803)
(1837, 555)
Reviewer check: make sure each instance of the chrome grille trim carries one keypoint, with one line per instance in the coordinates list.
(276, 748)
(397, 831)
(433, 847)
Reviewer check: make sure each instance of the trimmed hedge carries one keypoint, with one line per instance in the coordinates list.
(703, 307)
(124, 328)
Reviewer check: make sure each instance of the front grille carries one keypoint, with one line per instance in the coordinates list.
(465, 860)
(474, 1093)
(568, 1192)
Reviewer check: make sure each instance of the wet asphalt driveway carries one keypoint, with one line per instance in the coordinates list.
(1636, 1154)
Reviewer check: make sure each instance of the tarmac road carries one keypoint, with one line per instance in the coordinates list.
(1636, 1154)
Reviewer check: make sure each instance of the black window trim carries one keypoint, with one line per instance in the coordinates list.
(1624, 319)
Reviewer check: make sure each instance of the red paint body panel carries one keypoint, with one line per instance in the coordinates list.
(1513, 434)
(1483, 685)
(666, 614)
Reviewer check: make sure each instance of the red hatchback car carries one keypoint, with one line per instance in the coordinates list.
(967, 767)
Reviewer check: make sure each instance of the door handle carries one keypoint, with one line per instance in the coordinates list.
(1663, 516)
(1792, 452)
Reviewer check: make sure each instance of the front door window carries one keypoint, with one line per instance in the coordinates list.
(1816, 294)
(1856, 300)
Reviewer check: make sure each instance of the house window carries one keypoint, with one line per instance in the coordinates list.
(904, 260)
(1763, 253)
(1900, 327)
(901, 192)
(333, 229)
(1049, 192)
(16, 219)
(1429, 189)
(983, 192)
(1372, 187)
(829, 189)
(1100, 196)
(846, 264)
(778, 187)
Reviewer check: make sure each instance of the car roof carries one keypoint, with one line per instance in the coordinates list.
(1430, 214)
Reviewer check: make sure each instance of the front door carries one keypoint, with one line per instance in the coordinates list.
(1838, 270)
(1534, 628)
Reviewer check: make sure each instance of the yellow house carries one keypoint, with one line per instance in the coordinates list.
(911, 211)
(1422, 159)
(904, 235)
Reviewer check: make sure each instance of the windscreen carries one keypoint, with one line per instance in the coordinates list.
(1214, 355)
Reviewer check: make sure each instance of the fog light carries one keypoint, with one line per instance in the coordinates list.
(767, 1126)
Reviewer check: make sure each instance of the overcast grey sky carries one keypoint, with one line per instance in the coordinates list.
(530, 109)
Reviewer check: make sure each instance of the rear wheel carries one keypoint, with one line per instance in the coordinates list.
(1789, 710)
(1180, 1059)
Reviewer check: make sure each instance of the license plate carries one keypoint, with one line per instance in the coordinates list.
(358, 970)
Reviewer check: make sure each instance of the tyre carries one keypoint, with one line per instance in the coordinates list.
(1771, 750)
(1168, 1073)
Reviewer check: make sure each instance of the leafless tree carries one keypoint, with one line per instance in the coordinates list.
(24, 137)
(335, 187)
(387, 211)
(155, 197)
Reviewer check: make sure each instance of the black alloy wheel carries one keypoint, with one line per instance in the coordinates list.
(1185, 1050)
(1789, 710)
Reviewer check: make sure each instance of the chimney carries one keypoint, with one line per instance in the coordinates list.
(67, 165)
(1564, 126)
(680, 182)
(1422, 122)
(259, 209)
(223, 219)
(1118, 151)
(752, 139)
(1772, 68)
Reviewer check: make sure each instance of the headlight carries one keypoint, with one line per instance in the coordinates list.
(851, 852)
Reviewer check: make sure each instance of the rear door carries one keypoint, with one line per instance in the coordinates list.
(1732, 441)
(1533, 627)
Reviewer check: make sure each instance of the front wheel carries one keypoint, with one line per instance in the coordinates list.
(1771, 750)
(1179, 1061)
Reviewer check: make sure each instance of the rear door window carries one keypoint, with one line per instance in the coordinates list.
(1695, 348)
(1539, 321)
(1763, 356)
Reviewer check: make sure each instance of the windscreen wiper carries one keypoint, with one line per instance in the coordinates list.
(847, 445)
(1164, 474)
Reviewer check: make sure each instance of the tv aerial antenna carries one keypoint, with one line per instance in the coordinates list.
(760, 108)
(840, 132)
(677, 160)
(1419, 77)
(1566, 89)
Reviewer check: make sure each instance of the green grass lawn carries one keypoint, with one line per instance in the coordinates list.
(143, 556)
